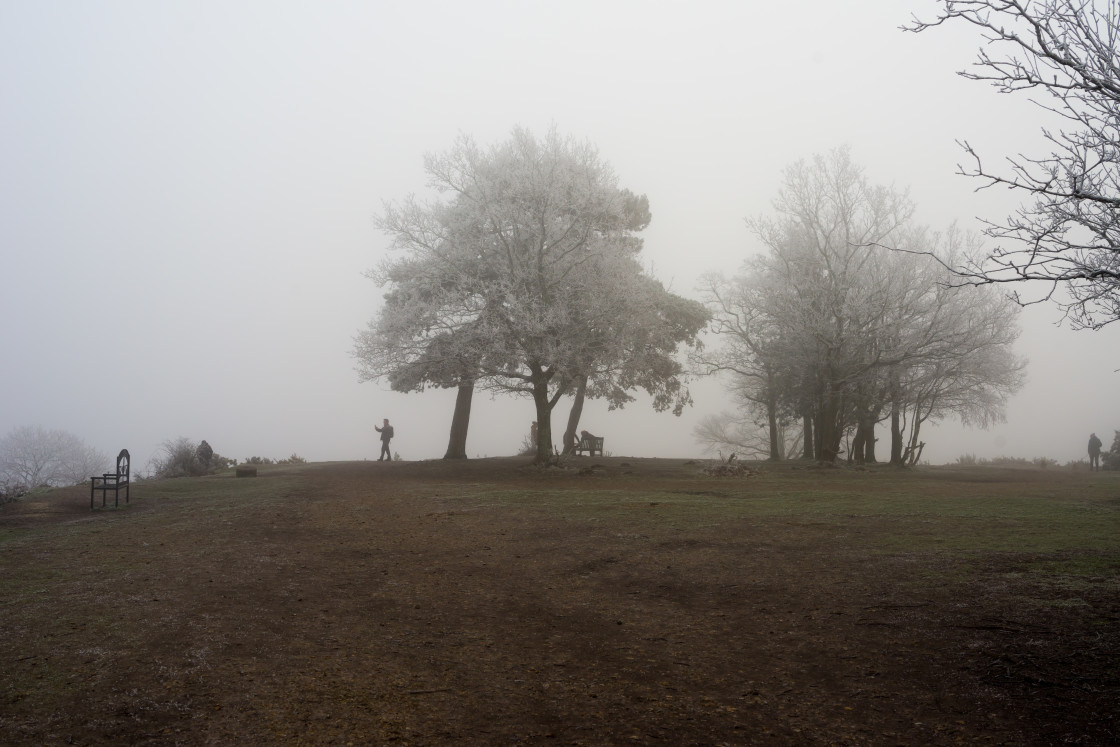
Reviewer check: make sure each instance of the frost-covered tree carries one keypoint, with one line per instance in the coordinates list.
(32, 456)
(961, 340)
(832, 327)
(1066, 238)
(827, 214)
(420, 340)
(757, 359)
(524, 278)
(633, 329)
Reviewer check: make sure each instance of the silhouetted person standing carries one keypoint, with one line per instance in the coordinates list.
(204, 453)
(386, 432)
(1094, 452)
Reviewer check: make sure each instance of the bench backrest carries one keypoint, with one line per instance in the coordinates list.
(123, 460)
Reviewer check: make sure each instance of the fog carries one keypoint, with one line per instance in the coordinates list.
(187, 193)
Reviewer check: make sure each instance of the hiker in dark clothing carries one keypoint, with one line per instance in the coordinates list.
(1094, 452)
(386, 432)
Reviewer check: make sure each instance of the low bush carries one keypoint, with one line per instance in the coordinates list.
(1111, 458)
(9, 493)
(184, 458)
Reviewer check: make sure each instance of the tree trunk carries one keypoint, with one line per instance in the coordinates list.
(863, 444)
(829, 434)
(914, 452)
(869, 444)
(457, 443)
(896, 434)
(818, 445)
(772, 422)
(858, 443)
(574, 416)
(539, 381)
(807, 425)
(896, 420)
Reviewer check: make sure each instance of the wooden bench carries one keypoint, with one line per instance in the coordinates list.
(590, 444)
(112, 481)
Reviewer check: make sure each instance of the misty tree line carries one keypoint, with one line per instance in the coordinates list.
(849, 320)
(526, 278)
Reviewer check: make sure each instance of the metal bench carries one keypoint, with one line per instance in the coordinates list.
(113, 481)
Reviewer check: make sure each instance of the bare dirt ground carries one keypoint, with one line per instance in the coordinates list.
(486, 603)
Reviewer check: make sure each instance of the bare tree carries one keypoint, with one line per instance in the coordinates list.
(752, 357)
(32, 456)
(822, 279)
(966, 364)
(744, 433)
(1067, 237)
(832, 327)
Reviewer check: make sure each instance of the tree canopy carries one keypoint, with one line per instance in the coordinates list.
(832, 328)
(525, 277)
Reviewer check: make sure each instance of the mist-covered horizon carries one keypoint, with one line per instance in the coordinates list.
(189, 192)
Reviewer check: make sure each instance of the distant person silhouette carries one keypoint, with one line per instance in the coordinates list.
(386, 432)
(1094, 452)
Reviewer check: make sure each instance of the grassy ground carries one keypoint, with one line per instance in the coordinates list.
(639, 601)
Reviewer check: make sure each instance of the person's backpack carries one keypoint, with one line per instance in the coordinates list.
(389, 431)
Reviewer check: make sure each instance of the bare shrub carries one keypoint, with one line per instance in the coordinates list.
(33, 456)
(178, 458)
(729, 468)
(184, 458)
(9, 493)
(528, 448)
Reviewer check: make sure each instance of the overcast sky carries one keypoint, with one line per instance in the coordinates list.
(187, 193)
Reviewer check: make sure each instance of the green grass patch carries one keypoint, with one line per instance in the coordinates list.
(923, 517)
